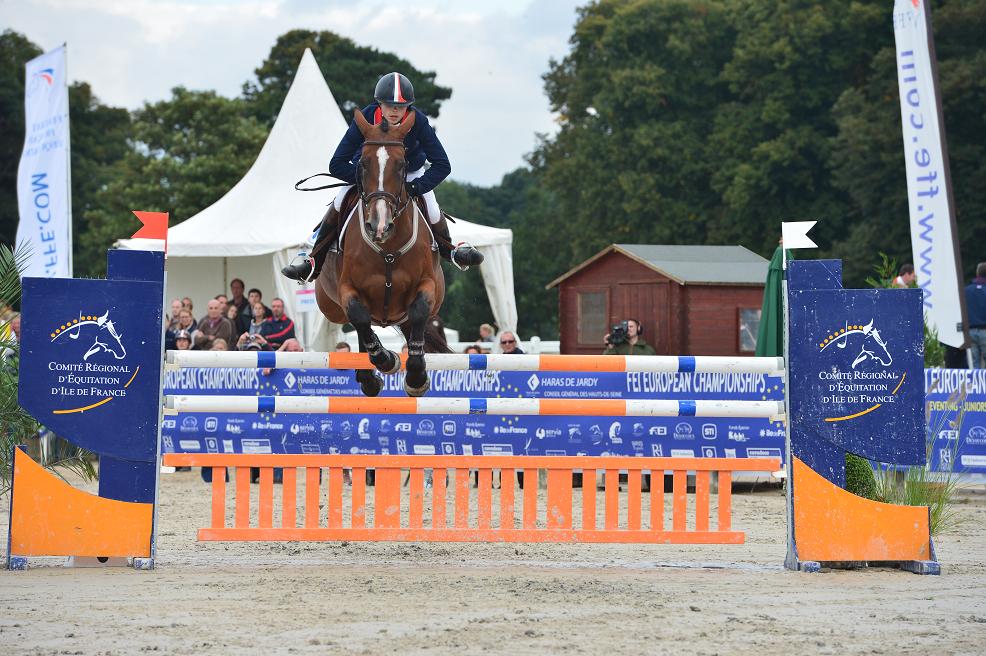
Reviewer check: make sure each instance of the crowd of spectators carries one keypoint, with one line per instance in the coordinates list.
(232, 322)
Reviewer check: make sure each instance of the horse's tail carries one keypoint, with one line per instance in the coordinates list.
(435, 337)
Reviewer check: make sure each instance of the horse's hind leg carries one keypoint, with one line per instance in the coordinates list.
(386, 361)
(416, 381)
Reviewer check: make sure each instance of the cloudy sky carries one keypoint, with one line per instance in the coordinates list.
(492, 54)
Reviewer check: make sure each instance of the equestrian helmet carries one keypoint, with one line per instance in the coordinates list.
(394, 89)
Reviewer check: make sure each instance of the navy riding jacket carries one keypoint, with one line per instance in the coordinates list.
(421, 142)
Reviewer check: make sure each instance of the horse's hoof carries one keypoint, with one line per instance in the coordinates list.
(418, 391)
(371, 386)
(387, 362)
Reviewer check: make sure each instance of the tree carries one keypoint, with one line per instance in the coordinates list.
(186, 152)
(15, 51)
(351, 71)
(868, 156)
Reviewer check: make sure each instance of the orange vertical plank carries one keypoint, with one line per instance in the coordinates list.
(387, 499)
(679, 500)
(484, 498)
(611, 500)
(266, 518)
(438, 502)
(701, 501)
(311, 497)
(218, 497)
(588, 499)
(726, 501)
(416, 497)
(242, 515)
(462, 497)
(657, 500)
(530, 498)
(289, 498)
(559, 511)
(633, 500)
(507, 482)
(334, 501)
(358, 517)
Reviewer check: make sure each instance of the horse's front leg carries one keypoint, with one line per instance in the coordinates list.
(416, 381)
(359, 315)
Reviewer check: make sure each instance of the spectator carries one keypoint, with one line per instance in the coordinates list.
(905, 276)
(404, 351)
(473, 349)
(187, 304)
(278, 326)
(254, 296)
(509, 344)
(175, 311)
(486, 333)
(213, 326)
(15, 328)
(626, 339)
(255, 342)
(258, 316)
(975, 303)
(238, 299)
(219, 344)
(185, 322)
(343, 347)
(291, 345)
(223, 303)
(233, 315)
(183, 340)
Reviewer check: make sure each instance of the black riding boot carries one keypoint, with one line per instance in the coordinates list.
(307, 269)
(462, 255)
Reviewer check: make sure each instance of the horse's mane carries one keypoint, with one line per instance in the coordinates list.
(384, 125)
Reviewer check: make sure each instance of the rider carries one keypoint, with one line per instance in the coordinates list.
(394, 96)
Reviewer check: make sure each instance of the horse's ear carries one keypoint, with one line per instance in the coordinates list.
(406, 124)
(361, 122)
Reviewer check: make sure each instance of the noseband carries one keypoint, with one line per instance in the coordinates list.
(392, 201)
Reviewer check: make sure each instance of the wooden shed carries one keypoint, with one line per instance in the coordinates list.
(690, 300)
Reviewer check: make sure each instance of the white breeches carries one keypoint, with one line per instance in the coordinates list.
(432, 210)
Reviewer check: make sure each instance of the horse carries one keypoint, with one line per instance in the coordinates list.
(872, 347)
(388, 272)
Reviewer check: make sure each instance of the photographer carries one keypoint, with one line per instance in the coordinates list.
(625, 339)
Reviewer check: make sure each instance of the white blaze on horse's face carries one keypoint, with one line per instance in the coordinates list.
(382, 211)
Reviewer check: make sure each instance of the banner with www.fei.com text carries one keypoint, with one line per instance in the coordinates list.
(929, 201)
(43, 196)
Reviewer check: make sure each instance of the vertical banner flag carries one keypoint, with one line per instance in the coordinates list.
(43, 196)
(929, 188)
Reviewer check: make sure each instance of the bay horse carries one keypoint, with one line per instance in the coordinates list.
(387, 273)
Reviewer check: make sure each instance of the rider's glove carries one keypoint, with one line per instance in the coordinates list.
(412, 188)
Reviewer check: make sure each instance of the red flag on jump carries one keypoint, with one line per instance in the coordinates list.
(155, 226)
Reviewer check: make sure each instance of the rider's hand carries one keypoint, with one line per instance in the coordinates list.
(412, 188)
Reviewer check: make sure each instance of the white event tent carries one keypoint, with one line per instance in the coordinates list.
(262, 222)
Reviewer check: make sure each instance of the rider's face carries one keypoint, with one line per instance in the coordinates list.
(393, 113)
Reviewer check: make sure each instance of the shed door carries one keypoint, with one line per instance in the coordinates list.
(648, 303)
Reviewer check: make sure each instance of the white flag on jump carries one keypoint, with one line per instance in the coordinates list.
(43, 196)
(795, 234)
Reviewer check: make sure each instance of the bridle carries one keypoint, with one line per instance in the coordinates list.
(397, 209)
(392, 201)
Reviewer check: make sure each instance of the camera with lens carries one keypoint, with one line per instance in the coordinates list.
(618, 334)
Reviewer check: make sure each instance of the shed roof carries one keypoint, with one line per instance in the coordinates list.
(689, 265)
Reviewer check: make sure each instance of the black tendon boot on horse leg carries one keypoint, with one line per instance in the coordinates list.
(416, 381)
(461, 255)
(386, 361)
(307, 270)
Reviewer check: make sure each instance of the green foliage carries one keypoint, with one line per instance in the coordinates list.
(351, 71)
(860, 479)
(186, 153)
(17, 426)
(15, 51)
(919, 486)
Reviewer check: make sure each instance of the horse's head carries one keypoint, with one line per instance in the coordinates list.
(108, 338)
(382, 172)
(873, 347)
